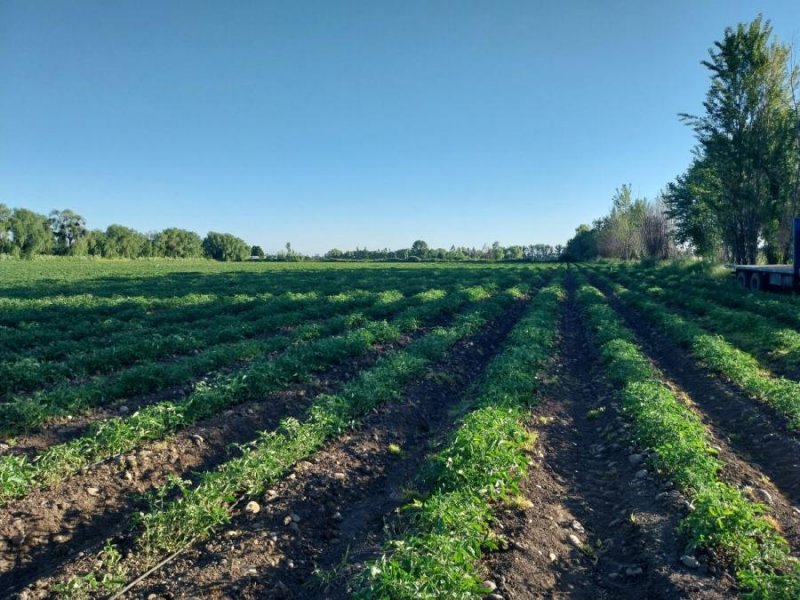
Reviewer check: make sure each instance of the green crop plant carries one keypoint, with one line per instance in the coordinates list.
(180, 514)
(719, 356)
(117, 435)
(446, 532)
(723, 520)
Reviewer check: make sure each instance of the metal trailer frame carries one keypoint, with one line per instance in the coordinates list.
(762, 277)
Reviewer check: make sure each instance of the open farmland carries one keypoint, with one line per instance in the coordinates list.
(387, 430)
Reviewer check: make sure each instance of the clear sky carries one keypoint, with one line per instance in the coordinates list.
(339, 123)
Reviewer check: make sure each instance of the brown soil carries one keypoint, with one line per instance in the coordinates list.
(586, 486)
(342, 498)
(760, 456)
(63, 429)
(47, 527)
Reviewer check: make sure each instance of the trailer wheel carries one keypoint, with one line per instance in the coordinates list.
(741, 279)
(755, 282)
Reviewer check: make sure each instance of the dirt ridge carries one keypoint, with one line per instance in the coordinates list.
(586, 485)
(760, 456)
(345, 496)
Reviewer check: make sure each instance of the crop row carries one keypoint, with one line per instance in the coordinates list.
(722, 520)
(438, 554)
(181, 513)
(108, 301)
(116, 435)
(719, 356)
(25, 413)
(763, 336)
(56, 331)
(86, 358)
(698, 280)
(44, 340)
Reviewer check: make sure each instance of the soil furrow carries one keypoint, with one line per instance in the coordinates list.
(318, 525)
(49, 526)
(598, 524)
(63, 429)
(760, 456)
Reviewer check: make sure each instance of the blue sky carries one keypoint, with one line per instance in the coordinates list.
(343, 124)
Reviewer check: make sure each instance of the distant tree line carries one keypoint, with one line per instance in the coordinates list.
(25, 233)
(738, 196)
(635, 228)
(420, 251)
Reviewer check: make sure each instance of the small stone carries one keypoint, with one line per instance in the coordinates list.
(635, 459)
(60, 538)
(490, 585)
(576, 525)
(337, 516)
(198, 439)
(552, 556)
(764, 495)
(495, 597)
(641, 473)
(128, 476)
(575, 541)
(295, 517)
(339, 475)
(633, 571)
(287, 520)
(690, 561)
(123, 409)
(92, 491)
(252, 572)
(252, 507)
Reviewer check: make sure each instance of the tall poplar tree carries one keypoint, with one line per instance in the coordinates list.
(745, 136)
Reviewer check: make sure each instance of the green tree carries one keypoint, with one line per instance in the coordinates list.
(419, 249)
(746, 136)
(257, 252)
(5, 229)
(583, 246)
(691, 202)
(225, 247)
(514, 253)
(91, 244)
(497, 251)
(30, 233)
(68, 227)
(123, 242)
(619, 233)
(177, 243)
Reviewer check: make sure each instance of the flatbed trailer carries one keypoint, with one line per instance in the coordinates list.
(762, 277)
